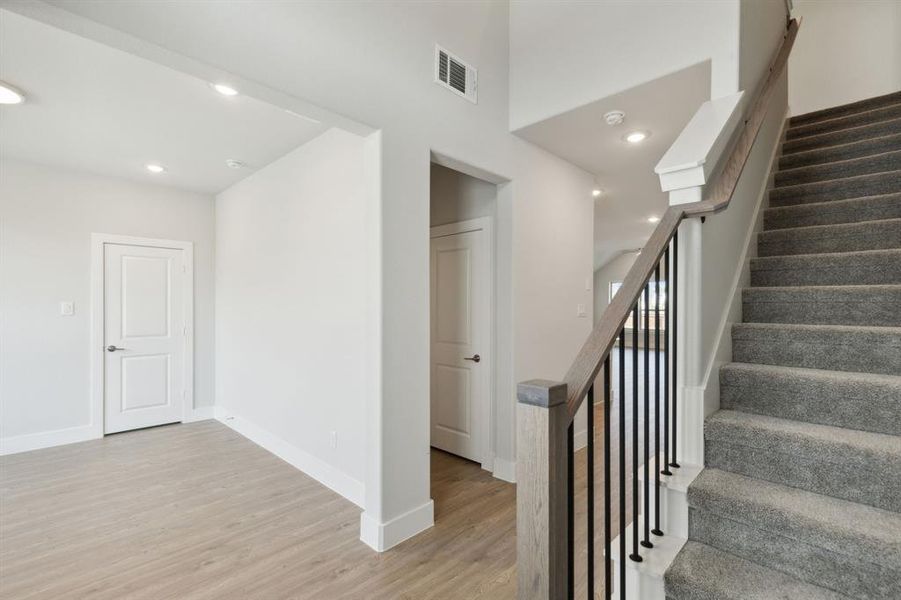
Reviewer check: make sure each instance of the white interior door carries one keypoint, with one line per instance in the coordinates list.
(144, 336)
(460, 332)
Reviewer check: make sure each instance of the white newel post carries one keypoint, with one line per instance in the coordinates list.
(684, 171)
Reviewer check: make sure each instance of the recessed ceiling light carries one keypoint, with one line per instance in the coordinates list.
(636, 137)
(154, 168)
(653, 219)
(10, 95)
(234, 164)
(596, 192)
(225, 90)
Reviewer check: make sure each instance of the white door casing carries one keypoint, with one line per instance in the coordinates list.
(461, 329)
(145, 317)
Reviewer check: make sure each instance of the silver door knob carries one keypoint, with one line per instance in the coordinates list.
(112, 348)
(474, 358)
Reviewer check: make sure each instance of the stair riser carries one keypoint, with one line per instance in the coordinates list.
(864, 118)
(880, 163)
(854, 352)
(842, 152)
(848, 480)
(828, 269)
(845, 136)
(863, 406)
(833, 213)
(841, 189)
(869, 308)
(873, 235)
(847, 109)
(854, 577)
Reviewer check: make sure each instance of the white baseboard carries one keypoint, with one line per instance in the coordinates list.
(319, 470)
(383, 536)
(48, 439)
(504, 469)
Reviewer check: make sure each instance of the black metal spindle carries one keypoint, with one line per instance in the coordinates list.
(656, 530)
(570, 513)
(675, 292)
(635, 556)
(622, 464)
(608, 578)
(666, 336)
(646, 542)
(589, 430)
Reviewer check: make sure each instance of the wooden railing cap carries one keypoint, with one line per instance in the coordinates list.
(541, 392)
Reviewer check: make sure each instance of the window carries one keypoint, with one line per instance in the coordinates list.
(656, 301)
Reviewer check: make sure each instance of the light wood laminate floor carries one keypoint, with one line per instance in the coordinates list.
(198, 512)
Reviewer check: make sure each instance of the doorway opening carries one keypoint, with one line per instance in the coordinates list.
(462, 360)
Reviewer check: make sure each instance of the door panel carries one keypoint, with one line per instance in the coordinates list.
(144, 319)
(459, 330)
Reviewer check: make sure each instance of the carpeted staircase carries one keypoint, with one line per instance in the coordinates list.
(800, 497)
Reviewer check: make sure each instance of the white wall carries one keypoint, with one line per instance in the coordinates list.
(762, 25)
(47, 216)
(456, 196)
(312, 51)
(847, 50)
(291, 305)
(567, 54)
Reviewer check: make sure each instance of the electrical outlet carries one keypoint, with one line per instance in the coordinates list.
(66, 308)
(334, 439)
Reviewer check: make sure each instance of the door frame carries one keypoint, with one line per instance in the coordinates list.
(487, 414)
(98, 243)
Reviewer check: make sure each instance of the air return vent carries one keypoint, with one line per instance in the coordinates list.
(455, 75)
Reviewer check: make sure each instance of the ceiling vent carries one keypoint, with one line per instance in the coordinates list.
(456, 75)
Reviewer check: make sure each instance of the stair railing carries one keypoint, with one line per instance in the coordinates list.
(545, 433)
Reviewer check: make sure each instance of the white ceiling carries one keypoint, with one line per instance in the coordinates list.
(625, 171)
(94, 108)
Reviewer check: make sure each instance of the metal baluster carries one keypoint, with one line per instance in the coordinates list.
(666, 336)
(635, 556)
(608, 578)
(674, 463)
(590, 466)
(622, 464)
(570, 513)
(656, 530)
(646, 542)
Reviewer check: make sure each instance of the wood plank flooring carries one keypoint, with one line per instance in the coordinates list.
(197, 512)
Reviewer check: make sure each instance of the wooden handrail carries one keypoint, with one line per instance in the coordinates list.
(588, 362)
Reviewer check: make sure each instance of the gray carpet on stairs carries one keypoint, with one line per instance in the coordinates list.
(851, 150)
(800, 496)
(825, 347)
(853, 210)
(842, 136)
(869, 267)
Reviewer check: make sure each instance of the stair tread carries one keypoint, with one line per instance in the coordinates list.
(841, 526)
(835, 444)
(852, 209)
(701, 572)
(839, 152)
(844, 188)
(824, 375)
(865, 131)
(741, 330)
(851, 399)
(828, 229)
(802, 258)
(844, 109)
(841, 169)
(867, 117)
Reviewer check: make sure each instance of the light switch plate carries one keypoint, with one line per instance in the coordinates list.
(66, 308)
(580, 310)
